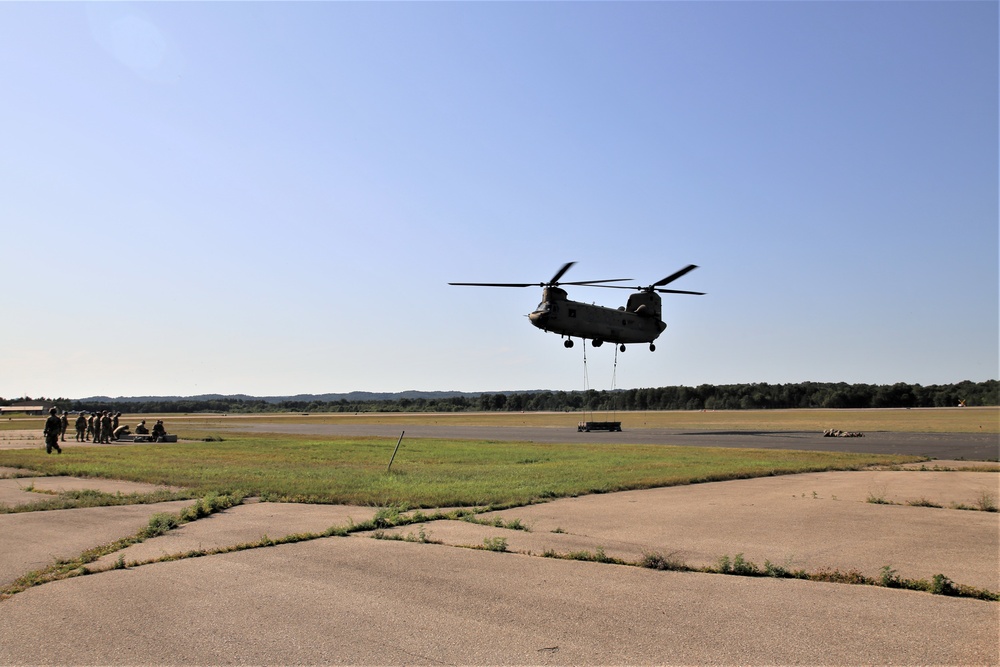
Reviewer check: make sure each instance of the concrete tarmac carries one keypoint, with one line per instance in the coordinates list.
(436, 595)
(349, 601)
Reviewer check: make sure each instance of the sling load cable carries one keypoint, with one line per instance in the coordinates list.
(588, 414)
(614, 398)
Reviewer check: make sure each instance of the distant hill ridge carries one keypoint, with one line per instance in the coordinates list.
(323, 398)
(753, 396)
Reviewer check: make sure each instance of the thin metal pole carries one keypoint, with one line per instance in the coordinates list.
(394, 451)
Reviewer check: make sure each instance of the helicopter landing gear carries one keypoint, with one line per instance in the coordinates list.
(652, 348)
(597, 342)
(622, 347)
(568, 343)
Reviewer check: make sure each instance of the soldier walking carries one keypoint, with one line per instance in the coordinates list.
(63, 425)
(53, 427)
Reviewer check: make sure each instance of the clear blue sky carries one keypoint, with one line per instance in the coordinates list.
(270, 198)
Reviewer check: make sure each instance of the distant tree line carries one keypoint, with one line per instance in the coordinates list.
(757, 396)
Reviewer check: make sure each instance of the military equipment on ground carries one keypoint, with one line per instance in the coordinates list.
(587, 427)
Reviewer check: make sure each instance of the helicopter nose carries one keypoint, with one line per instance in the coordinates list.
(538, 318)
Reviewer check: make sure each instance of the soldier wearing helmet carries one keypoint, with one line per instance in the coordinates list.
(53, 427)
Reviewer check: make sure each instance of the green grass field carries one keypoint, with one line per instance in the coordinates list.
(446, 473)
(427, 473)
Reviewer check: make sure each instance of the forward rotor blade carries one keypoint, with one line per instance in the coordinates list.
(498, 284)
(559, 274)
(674, 276)
(592, 283)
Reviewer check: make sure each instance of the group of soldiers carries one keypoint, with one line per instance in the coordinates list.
(101, 427)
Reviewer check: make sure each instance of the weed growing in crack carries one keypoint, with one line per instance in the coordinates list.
(658, 561)
(596, 557)
(515, 524)
(922, 502)
(387, 517)
(987, 501)
(889, 578)
(838, 577)
(422, 537)
(91, 498)
(210, 504)
(738, 565)
(497, 522)
(877, 495)
(160, 524)
(776, 571)
(498, 544)
(942, 585)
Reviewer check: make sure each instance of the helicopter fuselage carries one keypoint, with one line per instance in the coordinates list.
(637, 322)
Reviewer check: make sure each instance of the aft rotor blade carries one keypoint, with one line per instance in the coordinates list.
(595, 282)
(674, 276)
(678, 291)
(631, 287)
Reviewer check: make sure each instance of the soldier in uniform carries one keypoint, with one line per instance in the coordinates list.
(159, 430)
(64, 424)
(53, 427)
(92, 426)
(106, 427)
(81, 427)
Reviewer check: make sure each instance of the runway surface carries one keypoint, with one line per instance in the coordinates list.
(958, 446)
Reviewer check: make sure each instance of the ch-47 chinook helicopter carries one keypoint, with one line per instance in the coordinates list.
(639, 321)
